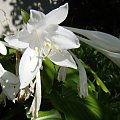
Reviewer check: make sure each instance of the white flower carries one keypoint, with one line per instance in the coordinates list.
(46, 39)
(9, 83)
(3, 49)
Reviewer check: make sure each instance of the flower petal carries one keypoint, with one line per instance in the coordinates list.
(62, 74)
(20, 40)
(37, 99)
(58, 15)
(37, 19)
(10, 85)
(15, 43)
(3, 49)
(101, 39)
(28, 67)
(62, 58)
(2, 70)
(82, 77)
(114, 56)
(61, 37)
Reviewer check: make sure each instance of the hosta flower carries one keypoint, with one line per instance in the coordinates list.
(46, 39)
(3, 49)
(10, 83)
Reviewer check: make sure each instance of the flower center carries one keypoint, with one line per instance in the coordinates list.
(36, 50)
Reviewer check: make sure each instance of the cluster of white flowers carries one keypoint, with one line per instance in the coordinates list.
(41, 37)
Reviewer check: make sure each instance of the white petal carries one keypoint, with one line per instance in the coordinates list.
(103, 40)
(37, 19)
(3, 49)
(2, 70)
(28, 67)
(62, 58)
(82, 77)
(114, 56)
(16, 42)
(37, 99)
(58, 15)
(62, 74)
(62, 38)
(10, 85)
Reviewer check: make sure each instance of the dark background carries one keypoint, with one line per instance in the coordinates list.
(102, 15)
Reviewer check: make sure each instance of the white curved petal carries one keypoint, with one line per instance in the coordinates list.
(82, 77)
(3, 49)
(37, 99)
(62, 74)
(58, 15)
(114, 56)
(62, 58)
(28, 67)
(37, 19)
(14, 41)
(62, 38)
(2, 70)
(101, 39)
(10, 85)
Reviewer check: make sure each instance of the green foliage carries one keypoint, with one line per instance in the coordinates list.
(48, 115)
(25, 16)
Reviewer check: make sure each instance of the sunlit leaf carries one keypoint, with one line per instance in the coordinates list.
(47, 115)
(74, 108)
(25, 16)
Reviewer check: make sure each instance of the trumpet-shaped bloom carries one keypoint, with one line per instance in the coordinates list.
(46, 39)
(9, 82)
(3, 49)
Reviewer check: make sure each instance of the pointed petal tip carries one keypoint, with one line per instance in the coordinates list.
(65, 5)
(57, 15)
(3, 49)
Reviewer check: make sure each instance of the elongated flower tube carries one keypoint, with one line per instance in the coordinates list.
(46, 39)
(62, 74)
(3, 49)
(10, 83)
(83, 86)
(103, 42)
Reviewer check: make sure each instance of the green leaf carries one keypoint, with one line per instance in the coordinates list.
(91, 86)
(25, 16)
(47, 115)
(102, 85)
(73, 107)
